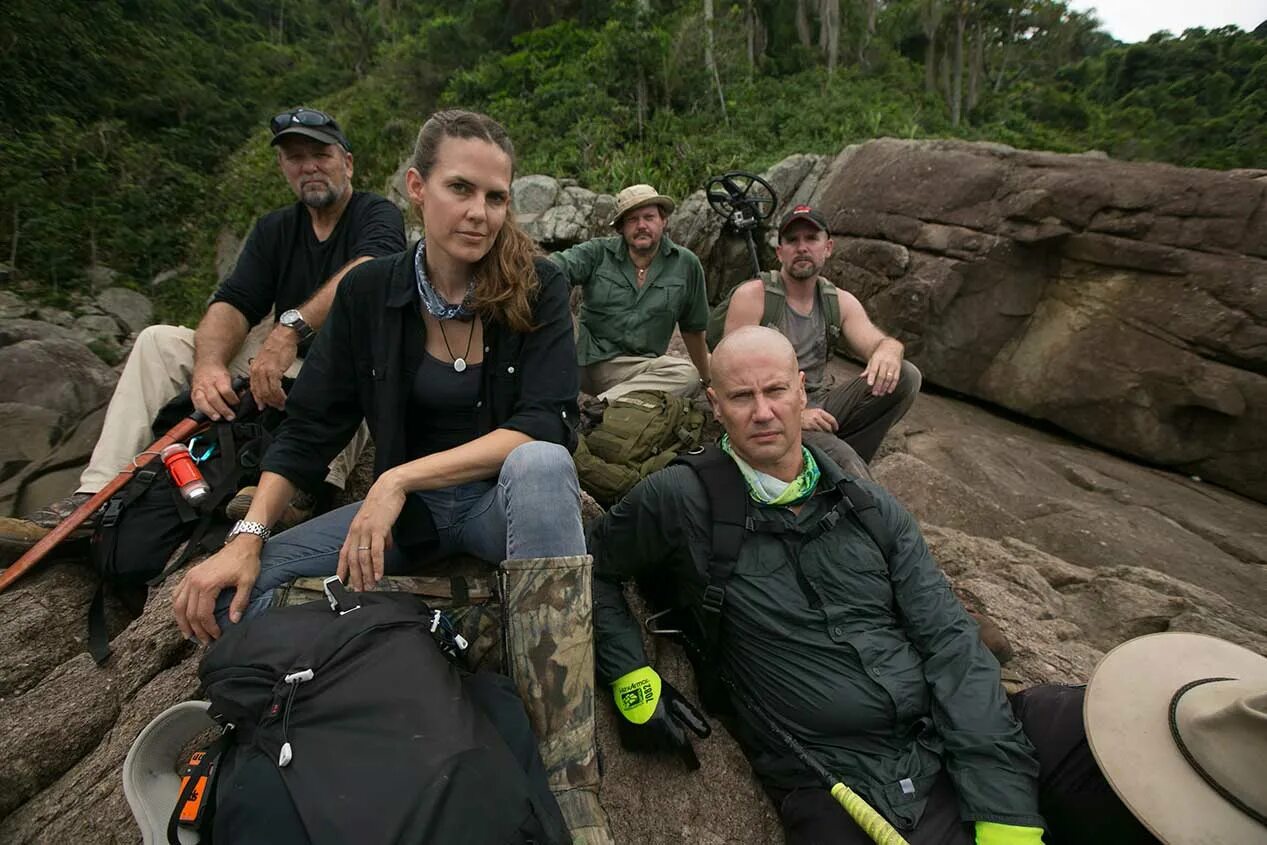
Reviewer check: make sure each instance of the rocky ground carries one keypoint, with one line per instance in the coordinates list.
(1069, 548)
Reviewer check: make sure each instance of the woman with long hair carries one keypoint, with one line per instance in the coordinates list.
(459, 354)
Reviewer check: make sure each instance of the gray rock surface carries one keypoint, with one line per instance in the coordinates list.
(1124, 302)
(133, 310)
(12, 305)
(82, 381)
(1068, 549)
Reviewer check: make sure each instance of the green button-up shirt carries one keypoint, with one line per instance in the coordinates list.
(881, 674)
(620, 318)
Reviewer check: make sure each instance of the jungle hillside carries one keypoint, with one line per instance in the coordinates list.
(133, 133)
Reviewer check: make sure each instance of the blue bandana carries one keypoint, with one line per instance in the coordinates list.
(435, 303)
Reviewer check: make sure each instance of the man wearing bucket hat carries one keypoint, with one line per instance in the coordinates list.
(860, 411)
(1178, 725)
(637, 286)
(290, 265)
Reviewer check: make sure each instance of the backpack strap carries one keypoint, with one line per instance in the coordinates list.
(775, 297)
(728, 507)
(861, 505)
(829, 301)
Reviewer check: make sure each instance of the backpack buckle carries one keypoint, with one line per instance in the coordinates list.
(111, 514)
(341, 600)
(714, 597)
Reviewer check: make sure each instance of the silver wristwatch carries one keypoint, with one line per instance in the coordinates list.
(292, 319)
(245, 526)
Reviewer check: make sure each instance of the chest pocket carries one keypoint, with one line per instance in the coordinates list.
(665, 297)
(607, 293)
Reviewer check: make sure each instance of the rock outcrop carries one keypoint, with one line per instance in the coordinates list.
(56, 374)
(1069, 549)
(1124, 302)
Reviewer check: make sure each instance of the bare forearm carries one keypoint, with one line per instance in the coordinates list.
(479, 459)
(272, 495)
(894, 344)
(317, 307)
(220, 335)
(697, 348)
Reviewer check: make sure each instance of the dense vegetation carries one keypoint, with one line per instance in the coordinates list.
(131, 133)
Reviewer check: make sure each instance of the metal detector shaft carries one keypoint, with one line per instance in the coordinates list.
(752, 251)
(864, 815)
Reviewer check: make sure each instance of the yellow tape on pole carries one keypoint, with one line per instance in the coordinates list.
(871, 822)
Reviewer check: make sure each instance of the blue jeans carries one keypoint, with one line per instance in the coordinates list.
(532, 510)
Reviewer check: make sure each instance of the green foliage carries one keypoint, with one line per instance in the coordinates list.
(133, 134)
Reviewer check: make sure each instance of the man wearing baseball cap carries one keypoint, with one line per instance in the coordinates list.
(637, 286)
(290, 265)
(796, 300)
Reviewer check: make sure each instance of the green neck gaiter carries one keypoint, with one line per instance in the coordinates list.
(765, 489)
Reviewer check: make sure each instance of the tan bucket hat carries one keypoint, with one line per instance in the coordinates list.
(1178, 724)
(636, 196)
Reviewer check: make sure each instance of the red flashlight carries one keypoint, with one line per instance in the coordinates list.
(185, 473)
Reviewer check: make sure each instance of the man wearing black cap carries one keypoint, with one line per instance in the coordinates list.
(290, 265)
(797, 301)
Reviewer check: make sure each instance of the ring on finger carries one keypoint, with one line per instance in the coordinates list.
(362, 548)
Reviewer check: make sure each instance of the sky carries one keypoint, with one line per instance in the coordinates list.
(1135, 20)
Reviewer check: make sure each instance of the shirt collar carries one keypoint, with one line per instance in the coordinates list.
(402, 289)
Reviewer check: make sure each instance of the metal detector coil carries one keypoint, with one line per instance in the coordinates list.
(745, 200)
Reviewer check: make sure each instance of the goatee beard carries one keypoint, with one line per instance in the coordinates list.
(321, 199)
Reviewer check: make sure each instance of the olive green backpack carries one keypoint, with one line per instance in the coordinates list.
(641, 432)
(775, 296)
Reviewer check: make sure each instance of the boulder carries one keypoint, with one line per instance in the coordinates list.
(12, 305)
(56, 474)
(29, 432)
(56, 316)
(100, 276)
(1124, 302)
(83, 382)
(15, 330)
(133, 310)
(534, 194)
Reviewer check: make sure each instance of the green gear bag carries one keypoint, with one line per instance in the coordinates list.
(775, 296)
(641, 432)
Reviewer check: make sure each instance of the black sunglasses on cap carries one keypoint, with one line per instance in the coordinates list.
(310, 122)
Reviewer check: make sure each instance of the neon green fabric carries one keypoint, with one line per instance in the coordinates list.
(761, 487)
(637, 694)
(993, 833)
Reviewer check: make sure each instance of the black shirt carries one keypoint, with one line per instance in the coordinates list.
(283, 263)
(442, 407)
(367, 355)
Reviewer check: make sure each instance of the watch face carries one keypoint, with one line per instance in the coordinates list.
(290, 318)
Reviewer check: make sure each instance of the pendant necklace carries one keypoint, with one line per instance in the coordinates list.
(459, 364)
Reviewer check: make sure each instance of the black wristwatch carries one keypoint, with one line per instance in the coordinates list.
(292, 319)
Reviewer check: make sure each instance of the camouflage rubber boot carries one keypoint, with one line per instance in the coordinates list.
(547, 616)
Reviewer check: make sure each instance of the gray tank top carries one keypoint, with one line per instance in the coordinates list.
(808, 335)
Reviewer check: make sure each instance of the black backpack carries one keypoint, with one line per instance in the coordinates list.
(142, 525)
(698, 630)
(356, 727)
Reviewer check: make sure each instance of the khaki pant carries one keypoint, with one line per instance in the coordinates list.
(159, 369)
(615, 377)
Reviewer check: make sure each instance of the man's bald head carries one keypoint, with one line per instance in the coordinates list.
(739, 348)
(758, 394)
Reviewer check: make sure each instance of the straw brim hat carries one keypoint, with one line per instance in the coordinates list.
(1129, 728)
(636, 196)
